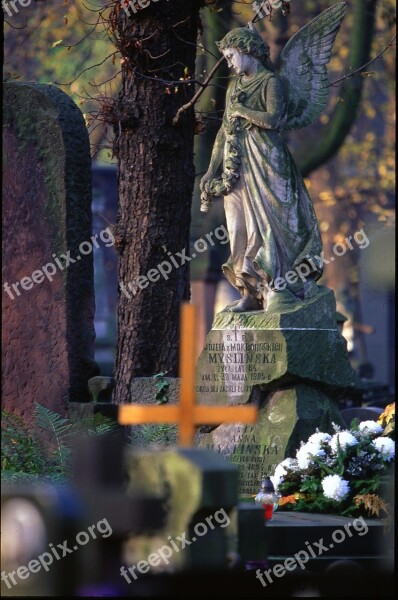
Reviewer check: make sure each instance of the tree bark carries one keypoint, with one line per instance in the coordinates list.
(156, 178)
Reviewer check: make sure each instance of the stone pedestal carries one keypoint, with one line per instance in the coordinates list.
(292, 364)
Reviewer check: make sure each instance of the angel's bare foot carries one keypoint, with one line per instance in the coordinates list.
(245, 304)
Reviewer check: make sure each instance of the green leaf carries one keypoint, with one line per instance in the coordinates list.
(57, 429)
(159, 375)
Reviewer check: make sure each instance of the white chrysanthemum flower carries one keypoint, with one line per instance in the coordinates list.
(341, 441)
(305, 453)
(277, 477)
(318, 438)
(386, 447)
(370, 427)
(290, 463)
(276, 481)
(335, 487)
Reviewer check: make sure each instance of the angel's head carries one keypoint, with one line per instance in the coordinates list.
(247, 43)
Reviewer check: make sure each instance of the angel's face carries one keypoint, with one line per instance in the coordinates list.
(237, 61)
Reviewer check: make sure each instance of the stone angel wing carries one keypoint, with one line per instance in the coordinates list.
(303, 69)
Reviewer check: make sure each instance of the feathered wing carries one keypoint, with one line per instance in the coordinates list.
(303, 69)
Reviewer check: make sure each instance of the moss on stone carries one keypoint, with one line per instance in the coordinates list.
(33, 119)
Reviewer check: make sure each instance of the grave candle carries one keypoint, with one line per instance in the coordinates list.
(267, 497)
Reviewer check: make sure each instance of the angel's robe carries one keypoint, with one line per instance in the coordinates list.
(270, 217)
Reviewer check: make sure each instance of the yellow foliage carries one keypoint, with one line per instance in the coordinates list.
(324, 226)
(387, 415)
(291, 499)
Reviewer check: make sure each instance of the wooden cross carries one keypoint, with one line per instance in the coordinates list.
(187, 415)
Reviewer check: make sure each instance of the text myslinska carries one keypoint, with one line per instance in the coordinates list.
(240, 358)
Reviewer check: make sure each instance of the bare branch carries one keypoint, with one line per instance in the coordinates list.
(389, 45)
(87, 69)
(198, 94)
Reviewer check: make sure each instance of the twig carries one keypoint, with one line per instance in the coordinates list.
(196, 97)
(87, 69)
(366, 65)
(198, 94)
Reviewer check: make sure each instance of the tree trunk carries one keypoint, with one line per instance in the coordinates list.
(156, 178)
(330, 137)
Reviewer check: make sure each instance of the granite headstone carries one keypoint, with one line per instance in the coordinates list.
(48, 318)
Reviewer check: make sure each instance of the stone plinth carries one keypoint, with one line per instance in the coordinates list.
(285, 418)
(292, 364)
(244, 350)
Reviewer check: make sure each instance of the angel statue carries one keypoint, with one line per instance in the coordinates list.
(272, 226)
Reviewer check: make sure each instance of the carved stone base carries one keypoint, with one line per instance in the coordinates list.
(244, 350)
(293, 364)
(285, 418)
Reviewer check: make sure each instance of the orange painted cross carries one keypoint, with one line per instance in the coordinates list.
(187, 415)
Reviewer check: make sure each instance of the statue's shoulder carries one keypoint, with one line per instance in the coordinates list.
(268, 75)
(279, 87)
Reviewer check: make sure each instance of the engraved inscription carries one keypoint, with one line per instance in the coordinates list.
(253, 458)
(237, 363)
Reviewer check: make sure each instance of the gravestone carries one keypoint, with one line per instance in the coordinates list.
(201, 491)
(293, 364)
(48, 331)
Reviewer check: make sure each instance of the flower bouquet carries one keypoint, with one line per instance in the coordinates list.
(343, 473)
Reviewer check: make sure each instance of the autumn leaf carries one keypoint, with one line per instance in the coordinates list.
(291, 499)
(57, 43)
(199, 126)
(387, 415)
(287, 500)
(373, 503)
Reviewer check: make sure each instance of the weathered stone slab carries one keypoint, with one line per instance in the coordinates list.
(250, 349)
(285, 418)
(48, 323)
(369, 544)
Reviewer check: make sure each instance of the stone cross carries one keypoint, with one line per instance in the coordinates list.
(187, 415)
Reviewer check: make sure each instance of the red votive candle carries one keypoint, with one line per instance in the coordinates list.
(268, 509)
